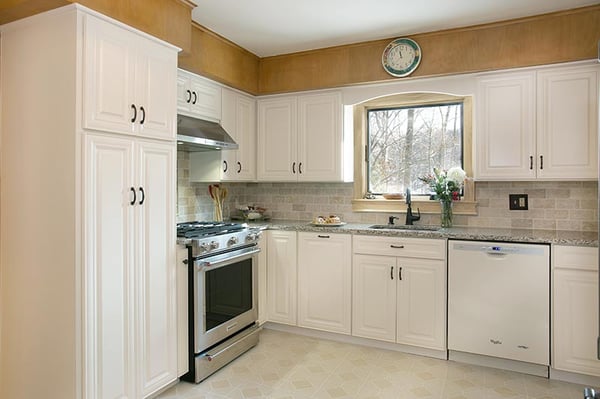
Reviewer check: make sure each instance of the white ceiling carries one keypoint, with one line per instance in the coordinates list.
(272, 27)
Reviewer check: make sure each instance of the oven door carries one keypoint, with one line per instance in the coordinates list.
(225, 296)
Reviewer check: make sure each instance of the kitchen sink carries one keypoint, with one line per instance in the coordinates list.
(404, 227)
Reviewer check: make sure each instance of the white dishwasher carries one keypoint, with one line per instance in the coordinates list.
(498, 300)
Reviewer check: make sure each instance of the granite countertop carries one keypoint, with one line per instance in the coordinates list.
(574, 238)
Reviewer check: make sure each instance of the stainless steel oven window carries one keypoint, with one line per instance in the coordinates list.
(228, 293)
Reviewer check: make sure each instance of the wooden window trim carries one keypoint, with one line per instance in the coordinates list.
(467, 206)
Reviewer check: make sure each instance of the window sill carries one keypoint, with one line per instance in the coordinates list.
(424, 206)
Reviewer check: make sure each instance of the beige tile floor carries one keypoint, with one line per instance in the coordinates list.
(291, 366)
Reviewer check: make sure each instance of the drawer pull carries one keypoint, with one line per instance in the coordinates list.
(522, 347)
(396, 246)
(496, 342)
(322, 236)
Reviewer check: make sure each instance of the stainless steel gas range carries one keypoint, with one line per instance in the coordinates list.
(222, 284)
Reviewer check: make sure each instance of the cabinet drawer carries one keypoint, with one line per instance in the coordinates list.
(581, 258)
(400, 246)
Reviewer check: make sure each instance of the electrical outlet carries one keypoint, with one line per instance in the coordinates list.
(518, 202)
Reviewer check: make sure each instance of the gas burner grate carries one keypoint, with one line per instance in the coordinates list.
(207, 229)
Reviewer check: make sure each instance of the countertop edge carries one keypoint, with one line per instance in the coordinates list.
(555, 237)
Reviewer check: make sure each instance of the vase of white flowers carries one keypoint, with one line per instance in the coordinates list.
(446, 184)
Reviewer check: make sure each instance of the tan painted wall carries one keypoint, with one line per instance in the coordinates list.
(545, 39)
(168, 20)
(219, 59)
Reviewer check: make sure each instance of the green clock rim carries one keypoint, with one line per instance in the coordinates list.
(408, 70)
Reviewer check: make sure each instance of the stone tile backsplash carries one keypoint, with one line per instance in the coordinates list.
(552, 205)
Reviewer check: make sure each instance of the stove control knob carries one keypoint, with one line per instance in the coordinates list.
(204, 247)
(232, 241)
(214, 245)
(251, 237)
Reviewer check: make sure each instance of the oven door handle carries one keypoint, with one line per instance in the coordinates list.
(226, 259)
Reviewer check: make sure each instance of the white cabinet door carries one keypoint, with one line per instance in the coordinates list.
(109, 77)
(320, 137)
(109, 275)
(156, 90)
(262, 279)
(575, 317)
(567, 123)
(281, 276)
(156, 279)
(505, 139)
(129, 82)
(421, 303)
(277, 140)
(239, 120)
(374, 297)
(325, 282)
(197, 96)
(575, 309)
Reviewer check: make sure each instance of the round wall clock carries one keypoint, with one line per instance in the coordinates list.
(401, 57)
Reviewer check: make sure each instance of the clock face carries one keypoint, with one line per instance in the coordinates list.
(401, 57)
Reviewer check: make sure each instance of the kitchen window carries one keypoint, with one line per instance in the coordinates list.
(404, 143)
(404, 136)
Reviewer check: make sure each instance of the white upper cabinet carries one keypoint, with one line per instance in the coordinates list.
(300, 138)
(129, 82)
(538, 124)
(198, 96)
(567, 122)
(239, 120)
(506, 125)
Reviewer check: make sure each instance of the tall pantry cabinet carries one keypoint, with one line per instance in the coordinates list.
(87, 249)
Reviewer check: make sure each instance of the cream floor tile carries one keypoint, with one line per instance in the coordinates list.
(289, 366)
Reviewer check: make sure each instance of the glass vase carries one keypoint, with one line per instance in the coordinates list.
(446, 213)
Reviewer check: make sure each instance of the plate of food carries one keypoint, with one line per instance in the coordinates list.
(327, 221)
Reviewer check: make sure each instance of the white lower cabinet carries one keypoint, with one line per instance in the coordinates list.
(130, 282)
(281, 276)
(400, 298)
(324, 281)
(575, 310)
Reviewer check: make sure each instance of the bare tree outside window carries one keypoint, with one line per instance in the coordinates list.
(408, 142)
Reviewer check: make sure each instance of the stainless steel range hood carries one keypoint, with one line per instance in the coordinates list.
(194, 135)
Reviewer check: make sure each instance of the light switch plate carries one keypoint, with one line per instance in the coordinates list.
(518, 202)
